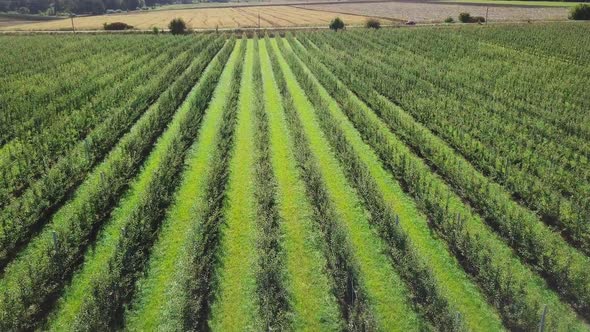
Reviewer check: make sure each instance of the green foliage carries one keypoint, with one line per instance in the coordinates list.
(373, 23)
(478, 19)
(418, 277)
(55, 252)
(117, 26)
(46, 193)
(177, 26)
(494, 213)
(102, 307)
(580, 12)
(449, 20)
(336, 24)
(271, 288)
(170, 249)
(342, 267)
(199, 265)
(155, 30)
(464, 17)
(467, 18)
(396, 157)
(371, 264)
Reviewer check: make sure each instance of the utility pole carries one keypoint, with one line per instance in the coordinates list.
(487, 10)
(258, 20)
(72, 18)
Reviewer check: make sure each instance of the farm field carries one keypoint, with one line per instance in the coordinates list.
(423, 179)
(204, 18)
(525, 3)
(428, 12)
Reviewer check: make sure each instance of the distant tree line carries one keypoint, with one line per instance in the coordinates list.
(53, 7)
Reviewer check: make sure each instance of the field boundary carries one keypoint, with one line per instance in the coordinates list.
(283, 30)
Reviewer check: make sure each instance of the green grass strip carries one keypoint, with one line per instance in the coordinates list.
(384, 288)
(154, 290)
(96, 259)
(236, 306)
(314, 306)
(455, 285)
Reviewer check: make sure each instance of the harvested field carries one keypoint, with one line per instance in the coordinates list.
(431, 12)
(206, 18)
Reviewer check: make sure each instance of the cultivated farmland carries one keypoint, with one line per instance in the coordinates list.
(426, 12)
(389, 180)
(203, 18)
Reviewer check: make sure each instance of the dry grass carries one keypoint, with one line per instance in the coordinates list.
(430, 12)
(206, 18)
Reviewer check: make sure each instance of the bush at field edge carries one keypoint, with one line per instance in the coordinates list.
(117, 26)
(580, 12)
(373, 24)
(177, 26)
(337, 24)
(467, 18)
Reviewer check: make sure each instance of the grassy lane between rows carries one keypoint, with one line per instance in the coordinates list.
(311, 302)
(518, 294)
(115, 260)
(432, 273)
(32, 281)
(386, 294)
(159, 300)
(271, 274)
(198, 283)
(236, 306)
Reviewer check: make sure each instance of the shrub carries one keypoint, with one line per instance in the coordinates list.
(467, 18)
(478, 19)
(337, 24)
(449, 20)
(117, 26)
(580, 12)
(177, 26)
(464, 17)
(155, 30)
(24, 10)
(373, 24)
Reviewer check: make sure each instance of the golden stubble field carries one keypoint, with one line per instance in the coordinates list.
(205, 18)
